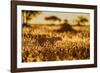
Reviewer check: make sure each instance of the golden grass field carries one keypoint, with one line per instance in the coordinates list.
(44, 43)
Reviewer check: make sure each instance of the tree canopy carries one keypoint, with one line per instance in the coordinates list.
(81, 20)
(28, 15)
(53, 18)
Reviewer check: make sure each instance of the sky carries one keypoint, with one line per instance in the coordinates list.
(40, 19)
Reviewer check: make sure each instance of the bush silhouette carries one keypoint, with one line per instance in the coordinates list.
(65, 27)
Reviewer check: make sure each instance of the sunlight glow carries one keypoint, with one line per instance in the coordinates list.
(71, 17)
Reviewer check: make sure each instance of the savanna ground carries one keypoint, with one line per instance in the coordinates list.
(42, 42)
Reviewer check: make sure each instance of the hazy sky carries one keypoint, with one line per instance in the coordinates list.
(62, 15)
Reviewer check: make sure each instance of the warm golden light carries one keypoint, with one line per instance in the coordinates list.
(71, 17)
(55, 36)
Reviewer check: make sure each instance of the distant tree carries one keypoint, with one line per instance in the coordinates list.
(66, 21)
(81, 20)
(65, 27)
(53, 18)
(28, 15)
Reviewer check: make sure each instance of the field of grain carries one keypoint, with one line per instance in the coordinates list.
(53, 43)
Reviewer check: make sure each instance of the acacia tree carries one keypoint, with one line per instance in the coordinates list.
(53, 18)
(81, 20)
(28, 15)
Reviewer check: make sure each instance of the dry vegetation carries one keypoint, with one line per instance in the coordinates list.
(53, 43)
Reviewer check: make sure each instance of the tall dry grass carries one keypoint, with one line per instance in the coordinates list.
(43, 43)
